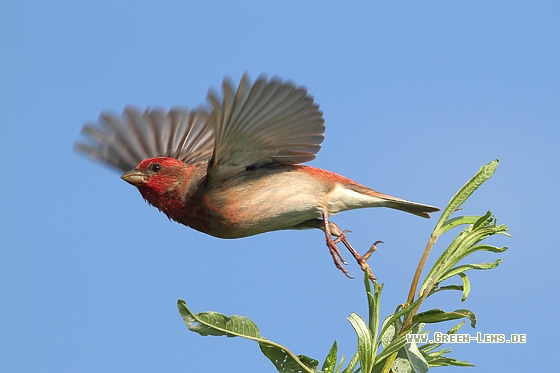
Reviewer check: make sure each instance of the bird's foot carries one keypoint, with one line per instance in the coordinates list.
(331, 229)
(337, 256)
(361, 259)
(341, 235)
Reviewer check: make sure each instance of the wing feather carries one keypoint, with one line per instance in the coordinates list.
(270, 121)
(124, 141)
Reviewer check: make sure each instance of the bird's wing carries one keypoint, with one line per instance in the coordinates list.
(124, 141)
(269, 121)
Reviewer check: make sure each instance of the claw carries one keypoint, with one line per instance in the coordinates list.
(362, 260)
(331, 229)
(371, 250)
(342, 235)
(337, 257)
(335, 252)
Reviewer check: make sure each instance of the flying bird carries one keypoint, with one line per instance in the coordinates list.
(235, 167)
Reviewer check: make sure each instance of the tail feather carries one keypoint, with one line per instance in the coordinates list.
(396, 203)
(412, 207)
(382, 199)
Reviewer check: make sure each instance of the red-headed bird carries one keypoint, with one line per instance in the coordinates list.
(234, 169)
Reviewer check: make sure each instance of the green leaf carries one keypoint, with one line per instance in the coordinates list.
(388, 335)
(447, 361)
(392, 319)
(329, 365)
(466, 286)
(373, 307)
(447, 287)
(373, 302)
(393, 347)
(458, 221)
(431, 346)
(463, 245)
(217, 324)
(459, 270)
(437, 358)
(436, 315)
(365, 342)
(493, 249)
(285, 362)
(465, 192)
(308, 361)
(352, 364)
(401, 365)
(456, 328)
(417, 361)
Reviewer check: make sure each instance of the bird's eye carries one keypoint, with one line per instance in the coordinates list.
(156, 167)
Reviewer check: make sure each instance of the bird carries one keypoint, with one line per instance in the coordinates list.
(235, 167)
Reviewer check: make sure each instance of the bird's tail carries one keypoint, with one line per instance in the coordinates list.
(385, 200)
(401, 204)
(411, 207)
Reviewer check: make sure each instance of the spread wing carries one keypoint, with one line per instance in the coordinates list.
(124, 141)
(269, 121)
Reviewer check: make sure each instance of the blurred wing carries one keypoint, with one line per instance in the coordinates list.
(123, 142)
(267, 122)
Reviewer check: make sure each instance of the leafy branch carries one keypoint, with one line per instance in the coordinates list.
(396, 347)
(217, 324)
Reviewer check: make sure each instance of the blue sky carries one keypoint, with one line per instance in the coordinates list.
(416, 98)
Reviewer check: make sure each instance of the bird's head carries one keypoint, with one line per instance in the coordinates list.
(163, 182)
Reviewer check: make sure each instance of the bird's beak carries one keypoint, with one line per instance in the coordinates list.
(134, 177)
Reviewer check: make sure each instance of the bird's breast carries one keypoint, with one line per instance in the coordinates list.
(257, 201)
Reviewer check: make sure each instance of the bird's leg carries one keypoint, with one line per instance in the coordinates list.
(331, 229)
(335, 253)
(361, 259)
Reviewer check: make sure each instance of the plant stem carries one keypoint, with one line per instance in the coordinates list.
(416, 278)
